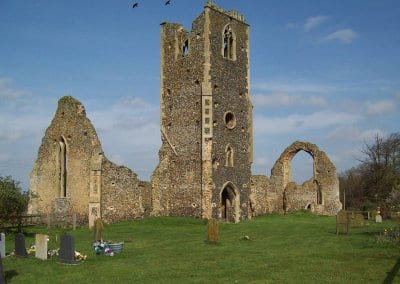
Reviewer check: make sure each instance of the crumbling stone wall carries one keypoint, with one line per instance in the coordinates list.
(206, 114)
(320, 194)
(71, 175)
(124, 196)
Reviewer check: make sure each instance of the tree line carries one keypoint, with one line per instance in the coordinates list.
(375, 182)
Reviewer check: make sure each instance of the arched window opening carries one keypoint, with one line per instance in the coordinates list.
(302, 167)
(229, 45)
(62, 162)
(185, 48)
(229, 156)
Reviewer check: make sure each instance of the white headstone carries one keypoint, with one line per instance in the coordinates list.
(2, 245)
(378, 218)
(41, 246)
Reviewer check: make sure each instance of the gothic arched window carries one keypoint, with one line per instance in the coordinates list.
(229, 156)
(229, 44)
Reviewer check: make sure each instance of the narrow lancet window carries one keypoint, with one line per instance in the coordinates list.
(185, 48)
(62, 155)
(229, 156)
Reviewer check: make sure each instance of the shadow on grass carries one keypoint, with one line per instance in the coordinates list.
(392, 273)
(8, 275)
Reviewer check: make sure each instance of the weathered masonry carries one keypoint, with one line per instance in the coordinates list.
(206, 118)
(71, 174)
(319, 194)
(206, 152)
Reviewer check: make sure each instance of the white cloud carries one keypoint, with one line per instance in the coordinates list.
(354, 134)
(344, 36)
(380, 107)
(314, 22)
(283, 99)
(7, 92)
(297, 123)
(292, 88)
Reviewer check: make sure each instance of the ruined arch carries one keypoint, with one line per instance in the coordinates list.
(321, 191)
(230, 203)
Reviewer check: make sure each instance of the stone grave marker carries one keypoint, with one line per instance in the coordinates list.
(2, 274)
(20, 249)
(213, 230)
(342, 222)
(98, 230)
(41, 246)
(2, 245)
(357, 220)
(67, 249)
(378, 216)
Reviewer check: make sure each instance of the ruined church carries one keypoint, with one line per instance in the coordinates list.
(206, 153)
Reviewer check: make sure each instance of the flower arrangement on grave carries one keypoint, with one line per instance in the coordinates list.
(390, 235)
(80, 256)
(102, 247)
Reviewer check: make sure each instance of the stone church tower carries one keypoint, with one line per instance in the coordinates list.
(206, 118)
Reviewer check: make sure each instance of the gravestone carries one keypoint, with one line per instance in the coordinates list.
(2, 245)
(212, 230)
(20, 249)
(41, 246)
(67, 250)
(342, 222)
(378, 217)
(2, 274)
(98, 230)
(357, 220)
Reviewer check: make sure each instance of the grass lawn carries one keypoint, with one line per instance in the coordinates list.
(296, 248)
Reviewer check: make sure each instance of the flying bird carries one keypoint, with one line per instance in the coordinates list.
(168, 2)
(135, 5)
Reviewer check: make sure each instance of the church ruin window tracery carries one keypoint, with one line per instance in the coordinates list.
(229, 44)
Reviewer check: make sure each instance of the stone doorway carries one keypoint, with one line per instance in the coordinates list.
(230, 203)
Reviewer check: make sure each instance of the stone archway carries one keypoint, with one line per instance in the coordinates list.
(230, 203)
(321, 191)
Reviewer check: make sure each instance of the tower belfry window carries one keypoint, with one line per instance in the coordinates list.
(229, 45)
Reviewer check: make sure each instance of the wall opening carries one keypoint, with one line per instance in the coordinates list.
(185, 48)
(302, 167)
(229, 156)
(230, 204)
(230, 120)
(229, 44)
(62, 162)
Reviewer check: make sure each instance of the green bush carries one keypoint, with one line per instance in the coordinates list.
(13, 202)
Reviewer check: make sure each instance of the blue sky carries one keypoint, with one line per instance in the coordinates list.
(326, 72)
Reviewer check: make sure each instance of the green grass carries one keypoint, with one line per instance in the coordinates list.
(296, 248)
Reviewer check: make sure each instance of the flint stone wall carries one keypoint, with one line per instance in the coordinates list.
(61, 181)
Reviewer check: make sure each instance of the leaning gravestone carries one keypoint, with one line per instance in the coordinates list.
(20, 249)
(2, 245)
(67, 250)
(342, 222)
(41, 246)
